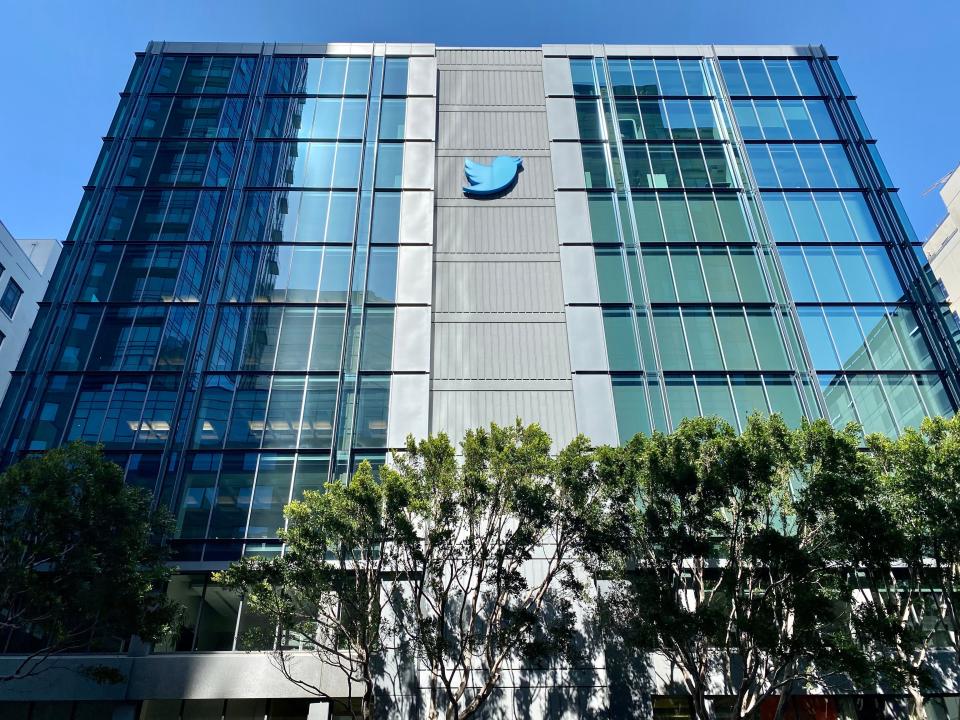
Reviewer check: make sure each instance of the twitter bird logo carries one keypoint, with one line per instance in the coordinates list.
(486, 180)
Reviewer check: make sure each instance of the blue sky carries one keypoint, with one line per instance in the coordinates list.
(63, 63)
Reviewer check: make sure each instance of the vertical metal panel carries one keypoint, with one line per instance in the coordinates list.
(579, 271)
(409, 412)
(573, 218)
(596, 415)
(420, 122)
(588, 349)
(556, 76)
(500, 350)
(567, 165)
(411, 339)
(562, 119)
(416, 217)
(414, 276)
(422, 76)
(492, 130)
(492, 228)
(419, 160)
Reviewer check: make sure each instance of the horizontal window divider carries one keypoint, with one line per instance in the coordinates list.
(135, 303)
(197, 95)
(168, 187)
(254, 243)
(871, 303)
(292, 140)
(301, 188)
(716, 188)
(854, 373)
(727, 373)
(615, 96)
(718, 304)
(779, 97)
(809, 141)
(813, 189)
(304, 96)
(269, 373)
(671, 141)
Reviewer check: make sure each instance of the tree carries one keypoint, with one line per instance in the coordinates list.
(80, 558)
(724, 560)
(328, 591)
(906, 579)
(490, 575)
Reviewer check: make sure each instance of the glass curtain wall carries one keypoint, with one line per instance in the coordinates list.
(233, 295)
(692, 323)
(697, 319)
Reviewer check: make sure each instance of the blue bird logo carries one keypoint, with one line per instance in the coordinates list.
(486, 180)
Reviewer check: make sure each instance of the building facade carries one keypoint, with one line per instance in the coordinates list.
(944, 242)
(275, 273)
(26, 267)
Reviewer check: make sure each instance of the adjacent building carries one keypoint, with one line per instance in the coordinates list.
(942, 245)
(275, 273)
(26, 267)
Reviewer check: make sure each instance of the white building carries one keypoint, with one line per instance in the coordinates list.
(943, 245)
(26, 267)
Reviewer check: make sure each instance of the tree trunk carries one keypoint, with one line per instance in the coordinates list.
(917, 709)
(699, 704)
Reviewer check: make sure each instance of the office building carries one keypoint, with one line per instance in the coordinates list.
(25, 269)
(942, 245)
(276, 272)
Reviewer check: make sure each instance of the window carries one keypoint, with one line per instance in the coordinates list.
(11, 297)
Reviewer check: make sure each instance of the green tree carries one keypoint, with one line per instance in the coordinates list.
(80, 559)
(724, 563)
(328, 592)
(491, 576)
(906, 580)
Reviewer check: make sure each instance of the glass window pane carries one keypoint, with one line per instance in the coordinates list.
(611, 276)
(821, 119)
(270, 494)
(588, 120)
(733, 77)
(862, 219)
(377, 350)
(249, 409)
(628, 117)
(638, 166)
(371, 425)
(663, 164)
(715, 399)
(620, 338)
(386, 218)
(681, 399)
(746, 266)
(911, 338)
(603, 219)
(654, 120)
(671, 81)
(702, 339)
(805, 217)
(856, 274)
(826, 274)
(798, 121)
(719, 275)
(682, 125)
(392, 113)
(232, 504)
(706, 223)
(735, 339)
(327, 339)
(686, 268)
(767, 340)
(675, 218)
(748, 396)
(382, 275)
(656, 266)
(196, 497)
(848, 339)
(395, 76)
(647, 216)
(835, 219)
(283, 415)
(871, 404)
(390, 166)
(594, 166)
(787, 165)
(746, 116)
(629, 402)
(815, 165)
(693, 77)
(884, 273)
(778, 216)
(781, 77)
(797, 275)
(756, 76)
(673, 350)
(620, 77)
(881, 339)
(644, 77)
(692, 167)
(784, 399)
(316, 429)
(581, 70)
(771, 120)
(804, 77)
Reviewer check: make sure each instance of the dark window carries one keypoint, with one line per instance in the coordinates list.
(11, 297)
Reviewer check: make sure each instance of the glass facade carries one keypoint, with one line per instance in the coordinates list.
(750, 252)
(230, 286)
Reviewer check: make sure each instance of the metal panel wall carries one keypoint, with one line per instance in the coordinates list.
(499, 332)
